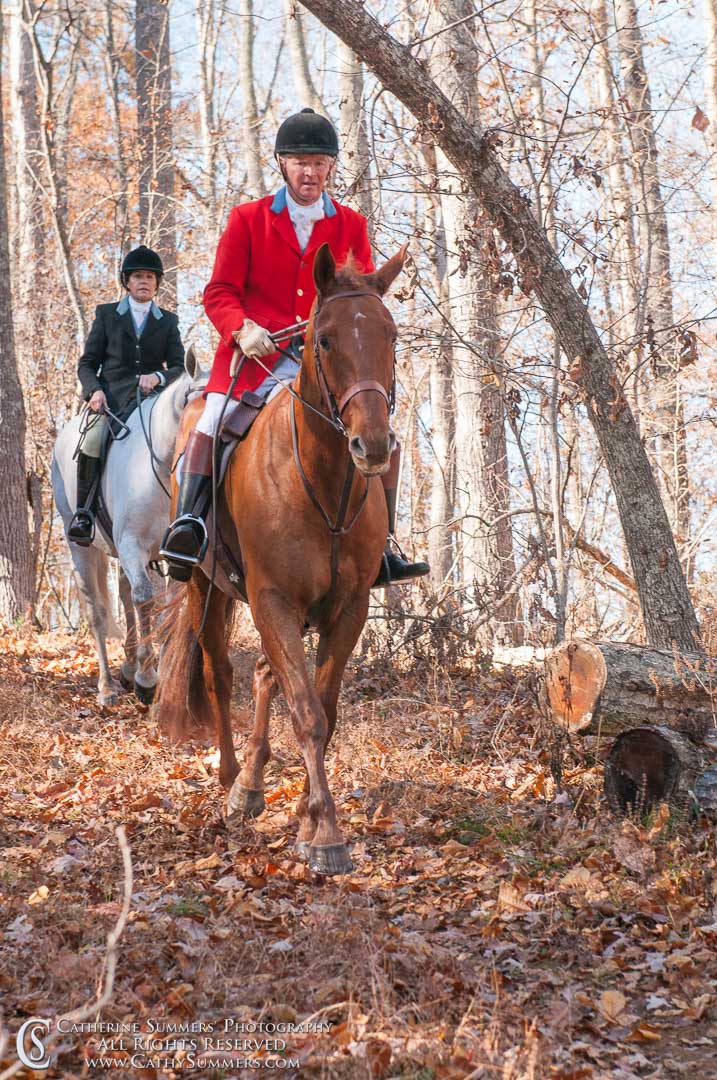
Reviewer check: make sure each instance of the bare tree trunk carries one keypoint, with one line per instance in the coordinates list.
(710, 9)
(671, 454)
(44, 75)
(112, 69)
(619, 194)
(355, 158)
(154, 128)
(252, 150)
(665, 601)
(29, 252)
(16, 584)
(441, 535)
(481, 458)
(298, 61)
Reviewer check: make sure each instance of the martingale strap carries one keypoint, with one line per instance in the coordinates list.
(336, 528)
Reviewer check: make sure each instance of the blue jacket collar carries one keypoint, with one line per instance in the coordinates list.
(279, 203)
(123, 307)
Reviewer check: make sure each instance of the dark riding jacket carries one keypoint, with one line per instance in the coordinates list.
(115, 356)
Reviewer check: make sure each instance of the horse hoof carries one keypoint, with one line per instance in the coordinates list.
(302, 850)
(244, 802)
(126, 681)
(144, 693)
(109, 697)
(330, 859)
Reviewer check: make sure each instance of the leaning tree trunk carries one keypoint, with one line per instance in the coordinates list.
(482, 493)
(666, 605)
(16, 584)
(154, 129)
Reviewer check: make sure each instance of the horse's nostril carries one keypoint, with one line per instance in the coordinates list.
(392, 441)
(357, 447)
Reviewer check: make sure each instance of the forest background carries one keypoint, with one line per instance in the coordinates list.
(130, 123)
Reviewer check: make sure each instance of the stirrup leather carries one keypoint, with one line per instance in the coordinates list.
(179, 556)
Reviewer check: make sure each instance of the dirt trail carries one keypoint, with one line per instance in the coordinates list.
(489, 929)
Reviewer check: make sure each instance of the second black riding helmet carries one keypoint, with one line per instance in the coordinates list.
(307, 133)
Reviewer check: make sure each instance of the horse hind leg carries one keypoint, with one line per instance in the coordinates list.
(246, 798)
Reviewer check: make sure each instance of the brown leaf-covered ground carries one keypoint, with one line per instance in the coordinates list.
(493, 927)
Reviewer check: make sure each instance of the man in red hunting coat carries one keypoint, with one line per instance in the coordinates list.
(263, 282)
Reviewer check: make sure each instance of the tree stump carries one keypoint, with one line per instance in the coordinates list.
(593, 688)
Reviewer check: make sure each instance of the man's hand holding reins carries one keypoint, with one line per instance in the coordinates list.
(254, 340)
(147, 383)
(98, 401)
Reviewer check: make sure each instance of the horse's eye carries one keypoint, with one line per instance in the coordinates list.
(324, 343)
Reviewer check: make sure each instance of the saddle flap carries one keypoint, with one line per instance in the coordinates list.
(240, 415)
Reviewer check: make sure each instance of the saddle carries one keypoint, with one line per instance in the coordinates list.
(238, 419)
(225, 565)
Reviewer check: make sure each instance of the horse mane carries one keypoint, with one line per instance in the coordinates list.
(349, 276)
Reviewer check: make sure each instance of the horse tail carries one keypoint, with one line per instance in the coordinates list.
(181, 705)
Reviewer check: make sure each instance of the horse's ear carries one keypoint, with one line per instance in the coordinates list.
(190, 362)
(324, 270)
(385, 276)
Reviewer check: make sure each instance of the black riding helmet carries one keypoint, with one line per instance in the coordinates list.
(307, 133)
(141, 258)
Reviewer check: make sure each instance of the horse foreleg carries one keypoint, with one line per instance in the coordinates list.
(132, 561)
(129, 664)
(335, 647)
(246, 798)
(280, 630)
(91, 572)
(217, 667)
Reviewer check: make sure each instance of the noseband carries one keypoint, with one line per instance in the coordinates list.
(336, 408)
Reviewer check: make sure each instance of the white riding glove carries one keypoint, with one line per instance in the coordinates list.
(254, 340)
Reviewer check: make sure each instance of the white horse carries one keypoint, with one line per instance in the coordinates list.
(138, 507)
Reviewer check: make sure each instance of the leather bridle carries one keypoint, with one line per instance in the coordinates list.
(335, 408)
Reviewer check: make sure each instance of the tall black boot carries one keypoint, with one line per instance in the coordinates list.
(395, 566)
(81, 529)
(185, 541)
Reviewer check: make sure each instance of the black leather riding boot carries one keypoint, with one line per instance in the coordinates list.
(81, 529)
(185, 542)
(394, 566)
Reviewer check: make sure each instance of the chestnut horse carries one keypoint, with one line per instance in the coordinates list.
(303, 498)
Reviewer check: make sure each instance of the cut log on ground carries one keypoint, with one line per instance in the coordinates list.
(592, 688)
(650, 765)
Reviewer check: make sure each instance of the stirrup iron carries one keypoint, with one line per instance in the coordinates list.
(181, 557)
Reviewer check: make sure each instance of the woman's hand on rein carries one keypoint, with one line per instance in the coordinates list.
(147, 383)
(98, 401)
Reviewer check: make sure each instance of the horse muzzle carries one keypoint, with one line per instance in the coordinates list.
(372, 457)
